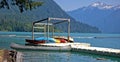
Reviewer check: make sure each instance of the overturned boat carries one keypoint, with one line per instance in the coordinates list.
(42, 47)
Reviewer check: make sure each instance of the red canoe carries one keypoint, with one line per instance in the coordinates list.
(35, 41)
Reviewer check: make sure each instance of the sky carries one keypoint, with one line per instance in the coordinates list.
(69, 5)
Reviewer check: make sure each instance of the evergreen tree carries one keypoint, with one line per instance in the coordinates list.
(21, 4)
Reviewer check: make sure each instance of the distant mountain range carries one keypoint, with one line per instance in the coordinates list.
(13, 20)
(105, 17)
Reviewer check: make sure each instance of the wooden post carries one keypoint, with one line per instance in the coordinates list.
(45, 30)
(32, 31)
(68, 30)
(52, 30)
(48, 28)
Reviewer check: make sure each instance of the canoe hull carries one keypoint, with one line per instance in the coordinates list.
(35, 41)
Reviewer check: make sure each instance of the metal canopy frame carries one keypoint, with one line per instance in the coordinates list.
(47, 23)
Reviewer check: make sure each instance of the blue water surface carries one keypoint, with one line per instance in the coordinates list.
(95, 39)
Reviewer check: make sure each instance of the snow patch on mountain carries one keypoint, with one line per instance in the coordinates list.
(101, 5)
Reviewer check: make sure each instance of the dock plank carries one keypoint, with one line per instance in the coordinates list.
(97, 50)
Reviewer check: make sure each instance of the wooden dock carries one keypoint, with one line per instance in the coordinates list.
(96, 50)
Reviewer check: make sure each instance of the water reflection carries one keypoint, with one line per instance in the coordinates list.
(46, 56)
(54, 56)
(96, 58)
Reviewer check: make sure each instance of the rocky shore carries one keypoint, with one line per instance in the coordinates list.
(8, 55)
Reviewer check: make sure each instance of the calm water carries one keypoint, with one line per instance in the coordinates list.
(99, 40)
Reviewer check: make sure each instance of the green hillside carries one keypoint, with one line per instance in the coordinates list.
(13, 20)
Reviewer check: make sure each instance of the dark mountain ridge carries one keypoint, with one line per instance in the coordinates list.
(22, 21)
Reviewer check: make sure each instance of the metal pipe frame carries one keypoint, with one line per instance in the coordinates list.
(48, 23)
